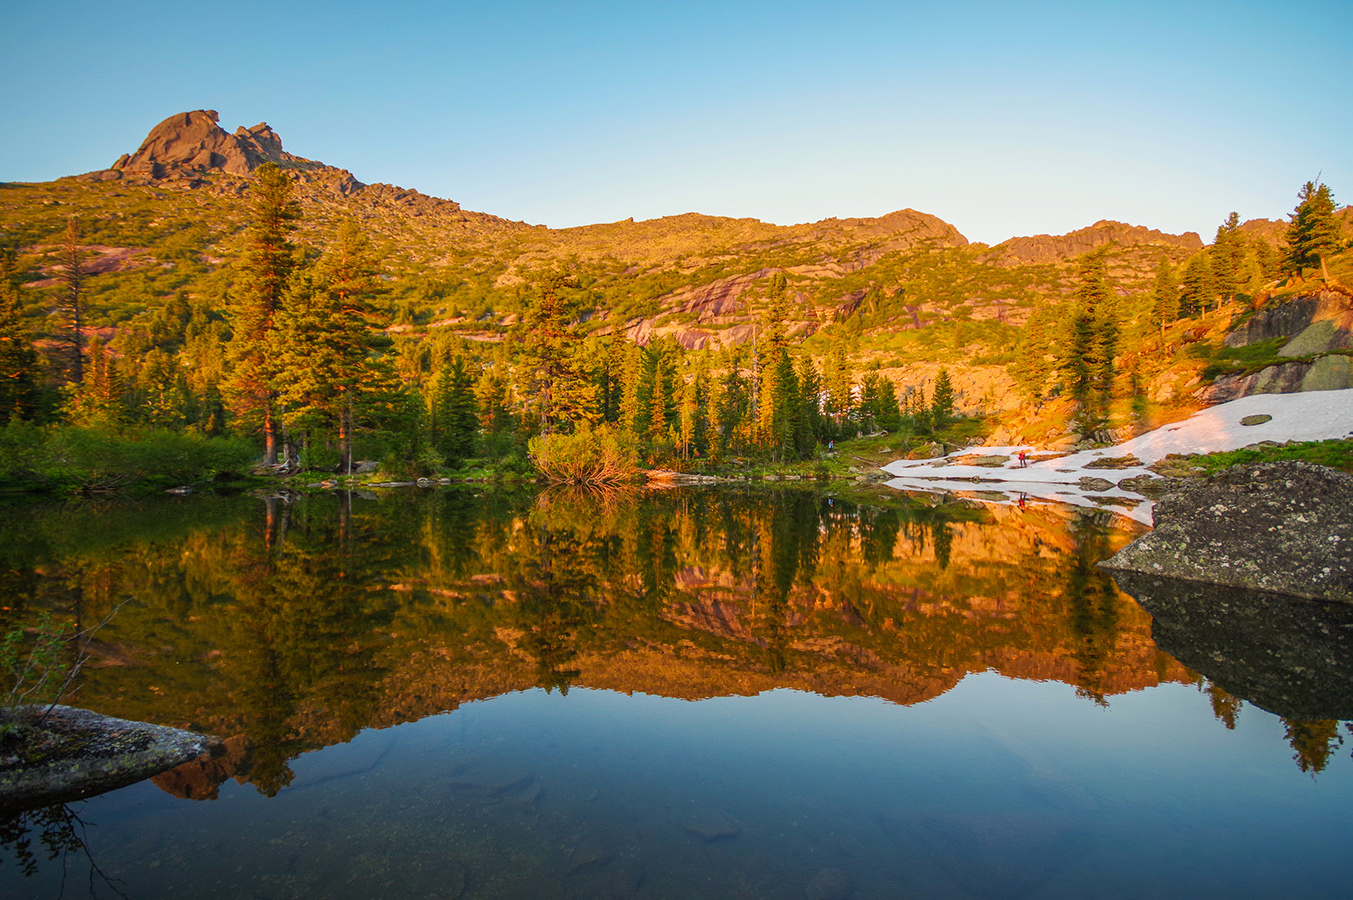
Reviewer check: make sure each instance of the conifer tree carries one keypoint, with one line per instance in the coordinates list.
(840, 387)
(98, 401)
(889, 414)
(1042, 348)
(263, 278)
(1313, 233)
(1196, 289)
(1093, 343)
(72, 303)
(732, 408)
(1164, 296)
(452, 420)
(321, 343)
(18, 359)
(1227, 256)
(494, 398)
(783, 400)
(555, 385)
(695, 415)
(942, 400)
(811, 424)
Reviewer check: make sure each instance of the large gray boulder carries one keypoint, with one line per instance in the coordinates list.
(1281, 527)
(62, 754)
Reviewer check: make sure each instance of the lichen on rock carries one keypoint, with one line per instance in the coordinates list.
(63, 754)
(1283, 527)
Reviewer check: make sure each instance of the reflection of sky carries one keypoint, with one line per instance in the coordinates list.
(900, 798)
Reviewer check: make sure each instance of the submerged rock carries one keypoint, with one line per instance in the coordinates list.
(710, 825)
(829, 884)
(68, 754)
(1282, 527)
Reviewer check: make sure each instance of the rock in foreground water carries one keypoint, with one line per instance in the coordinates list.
(64, 754)
(1283, 527)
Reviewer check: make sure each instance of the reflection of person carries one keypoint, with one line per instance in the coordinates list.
(1022, 498)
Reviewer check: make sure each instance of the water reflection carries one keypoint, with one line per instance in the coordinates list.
(285, 624)
(564, 629)
(1289, 656)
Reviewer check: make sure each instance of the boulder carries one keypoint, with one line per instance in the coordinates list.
(62, 754)
(1282, 527)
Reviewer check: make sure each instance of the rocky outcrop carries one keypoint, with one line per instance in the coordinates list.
(1282, 527)
(193, 143)
(1328, 373)
(1320, 326)
(1046, 248)
(1293, 318)
(1289, 656)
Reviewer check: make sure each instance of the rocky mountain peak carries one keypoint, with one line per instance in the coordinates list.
(1046, 248)
(193, 143)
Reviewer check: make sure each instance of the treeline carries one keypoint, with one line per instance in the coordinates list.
(302, 359)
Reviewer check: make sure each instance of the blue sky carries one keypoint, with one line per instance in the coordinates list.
(1002, 118)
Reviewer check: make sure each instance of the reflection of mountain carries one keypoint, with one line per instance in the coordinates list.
(296, 629)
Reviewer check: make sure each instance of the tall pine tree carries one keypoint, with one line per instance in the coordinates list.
(18, 359)
(263, 278)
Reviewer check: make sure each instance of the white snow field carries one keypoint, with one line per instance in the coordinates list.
(1310, 416)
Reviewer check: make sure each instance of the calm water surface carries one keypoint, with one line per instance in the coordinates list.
(692, 693)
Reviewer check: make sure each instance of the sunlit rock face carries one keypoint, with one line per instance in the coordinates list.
(193, 141)
(1284, 527)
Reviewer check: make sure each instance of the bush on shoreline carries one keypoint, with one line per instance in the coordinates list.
(71, 458)
(589, 456)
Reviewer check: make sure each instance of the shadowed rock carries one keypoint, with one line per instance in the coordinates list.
(74, 753)
(1282, 527)
(1289, 656)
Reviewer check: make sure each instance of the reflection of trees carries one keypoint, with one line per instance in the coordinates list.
(60, 832)
(1093, 600)
(299, 622)
(1314, 742)
(303, 627)
(1226, 707)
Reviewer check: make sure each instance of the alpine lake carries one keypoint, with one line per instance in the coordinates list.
(765, 691)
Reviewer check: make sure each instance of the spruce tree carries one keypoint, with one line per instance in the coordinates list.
(18, 359)
(555, 386)
(72, 303)
(840, 387)
(321, 343)
(1164, 296)
(1227, 256)
(811, 424)
(1089, 364)
(1313, 233)
(452, 419)
(942, 400)
(98, 401)
(263, 278)
(1196, 287)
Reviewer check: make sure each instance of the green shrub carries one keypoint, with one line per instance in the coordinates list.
(589, 456)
